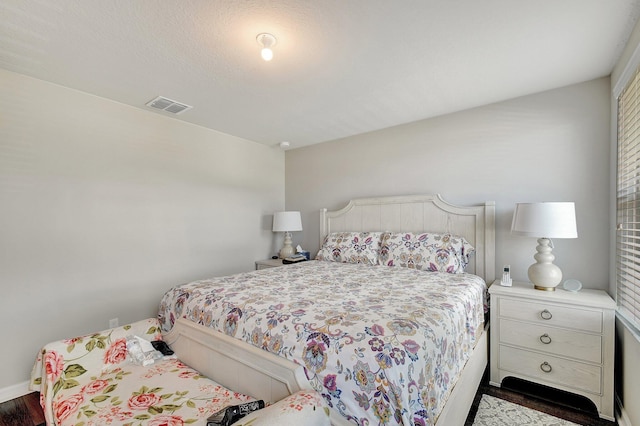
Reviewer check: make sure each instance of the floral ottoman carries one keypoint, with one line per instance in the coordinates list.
(90, 380)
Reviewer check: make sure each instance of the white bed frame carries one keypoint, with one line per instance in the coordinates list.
(244, 368)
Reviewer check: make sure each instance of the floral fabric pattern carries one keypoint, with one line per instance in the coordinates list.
(89, 380)
(426, 251)
(351, 247)
(382, 345)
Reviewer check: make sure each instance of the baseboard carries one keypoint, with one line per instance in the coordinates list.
(622, 416)
(15, 391)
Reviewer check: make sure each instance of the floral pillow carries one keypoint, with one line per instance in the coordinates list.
(351, 247)
(426, 251)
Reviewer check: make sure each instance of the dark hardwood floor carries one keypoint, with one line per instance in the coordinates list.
(26, 411)
(23, 411)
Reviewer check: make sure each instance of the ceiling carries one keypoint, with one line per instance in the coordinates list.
(340, 67)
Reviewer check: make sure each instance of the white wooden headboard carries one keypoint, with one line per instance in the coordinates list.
(421, 213)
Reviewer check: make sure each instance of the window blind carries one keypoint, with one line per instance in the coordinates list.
(628, 203)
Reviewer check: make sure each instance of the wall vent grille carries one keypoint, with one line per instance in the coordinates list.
(168, 105)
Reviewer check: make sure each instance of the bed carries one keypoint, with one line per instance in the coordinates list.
(409, 350)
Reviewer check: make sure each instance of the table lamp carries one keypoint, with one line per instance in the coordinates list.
(545, 221)
(287, 222)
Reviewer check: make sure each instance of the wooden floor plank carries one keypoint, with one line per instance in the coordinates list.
(15, 413)
(32, 401)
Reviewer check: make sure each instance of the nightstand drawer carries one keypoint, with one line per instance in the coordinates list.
(573, 374)
(556, 341)
(268, 263)
(558, 316)
(259, 266)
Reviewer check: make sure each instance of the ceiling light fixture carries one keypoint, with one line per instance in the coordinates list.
(267, 41)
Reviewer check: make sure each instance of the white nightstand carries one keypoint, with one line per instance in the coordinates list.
(560, 339)
(268, 263)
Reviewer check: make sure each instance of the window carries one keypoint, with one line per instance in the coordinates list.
(628, 203)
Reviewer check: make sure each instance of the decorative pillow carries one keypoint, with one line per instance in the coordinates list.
(351, 247)
(426, 251)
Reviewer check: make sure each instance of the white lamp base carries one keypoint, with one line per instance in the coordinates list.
(544, 274)
(287, 248)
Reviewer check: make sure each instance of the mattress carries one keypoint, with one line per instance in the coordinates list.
(381, 344)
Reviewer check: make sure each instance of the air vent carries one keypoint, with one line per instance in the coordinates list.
(168, 105)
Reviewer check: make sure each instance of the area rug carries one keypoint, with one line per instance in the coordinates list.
(498, 412)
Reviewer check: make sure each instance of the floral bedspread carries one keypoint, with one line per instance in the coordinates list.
(383, 345)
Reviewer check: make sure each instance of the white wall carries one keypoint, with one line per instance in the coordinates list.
(551, 146)
(103, 207)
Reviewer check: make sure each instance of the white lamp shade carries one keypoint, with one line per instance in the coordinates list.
(548, 220)
(287, 222)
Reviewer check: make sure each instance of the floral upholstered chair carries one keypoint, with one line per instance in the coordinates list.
(91, 380)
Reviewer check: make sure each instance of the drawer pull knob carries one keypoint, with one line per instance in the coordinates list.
(546, 315)
(545, 338)
(546, 367)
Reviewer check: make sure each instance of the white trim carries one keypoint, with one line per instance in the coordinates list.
(622, 418)
(627, 73)
(14, 391)
(633, 330)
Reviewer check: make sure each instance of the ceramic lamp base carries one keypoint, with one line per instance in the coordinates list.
(287, 248)
(544, 274)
